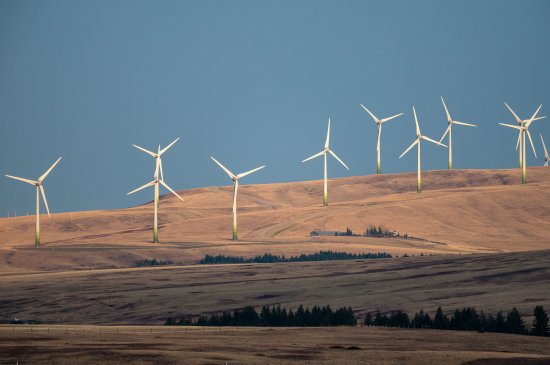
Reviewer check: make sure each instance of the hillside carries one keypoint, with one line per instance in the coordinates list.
(462, 211)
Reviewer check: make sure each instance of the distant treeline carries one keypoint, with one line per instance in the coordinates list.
(466, 319)
(274, 316)
(153, 262)
(270, 258)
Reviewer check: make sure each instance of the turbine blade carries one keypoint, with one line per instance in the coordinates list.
(49, 170)
(446, 132)
(157, 163)
(533, 117)
(249, 172)
(379, 133)
(416, 121)
(520, 122)
(21, 179)
(537, 118)
(315, 155)
(169, 188)
(338, 158)
(532, 144)
(328, 134)
(167, 147)
(142, 187)
(390, 118)
(510, 126)
(161, 172)
(431, 140)
(446, 110)
(466, 124)
(411, 146)
(519, 139)
(144, 150)
(376, 120)
(44, 198)
(543, 146)
(223, 168)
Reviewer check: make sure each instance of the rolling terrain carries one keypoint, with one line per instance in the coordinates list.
(482, 240)
(326, 346)
(466, 211)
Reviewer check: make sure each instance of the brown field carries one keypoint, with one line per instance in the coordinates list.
(487, 237)
(183, 345)
(463, 211)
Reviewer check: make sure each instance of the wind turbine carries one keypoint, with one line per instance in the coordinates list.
(235, 179)
(39, 190)
(449, 131)
(379, 123)
(546, 157)
(521, 140)
(157, 155)
(524, 129)
(419, 138)
(156, 181)
(324, 153)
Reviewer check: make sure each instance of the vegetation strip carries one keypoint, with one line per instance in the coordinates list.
(467, 319)
(270, 258)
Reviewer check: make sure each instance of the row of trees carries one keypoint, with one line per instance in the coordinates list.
(152, 262)
(275, 316)
(467, 319)
(270, 258)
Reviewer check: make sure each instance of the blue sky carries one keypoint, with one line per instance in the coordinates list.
(253, 83)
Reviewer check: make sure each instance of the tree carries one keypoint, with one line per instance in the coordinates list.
(368, 319)
(440, 320)
(540, 322)
(514, 322)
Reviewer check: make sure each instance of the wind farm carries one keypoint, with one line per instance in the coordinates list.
(158, 249)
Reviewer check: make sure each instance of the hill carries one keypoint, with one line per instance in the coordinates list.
(462, 211)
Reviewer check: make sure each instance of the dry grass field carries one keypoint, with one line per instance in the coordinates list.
(464, 211)
(381, 346)
(485, 243)
(490, 282)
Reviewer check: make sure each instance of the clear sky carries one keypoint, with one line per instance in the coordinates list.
(253, 83)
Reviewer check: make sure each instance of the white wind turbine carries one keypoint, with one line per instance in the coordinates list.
(157, 155)
(324, 153)
(156, 181)
(449, 131)
(546, 157)
(521, 140)
(379, 123)
(419, 138)
(39, 190)
(524, 129)
(235, 179)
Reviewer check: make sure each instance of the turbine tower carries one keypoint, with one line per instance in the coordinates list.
(156, 181)
(39, 190)
(546, 157)
(524, 129)
(449, 131)
(324, 153)
(521, 140)
(419, 138)
(379, 123)
(235, 179)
